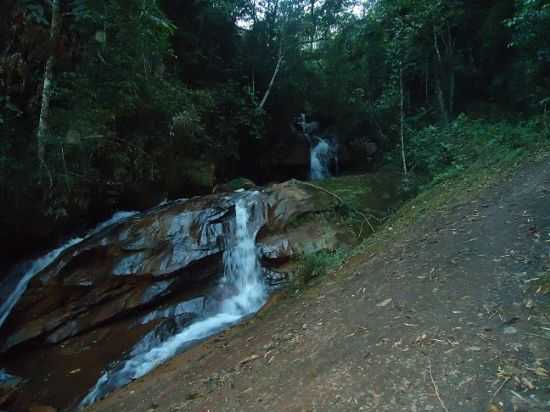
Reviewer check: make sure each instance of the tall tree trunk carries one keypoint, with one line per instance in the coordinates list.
(441, 101)
(47, 88)
(427, 80)
(440, 96)
(452, 88)
(402, 115)
(273, 78)
(450, 46)
(313, 25)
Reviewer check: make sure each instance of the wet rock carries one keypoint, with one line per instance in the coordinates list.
(275, 278)
(9, 385)
(235, 184)
(123, 268)
(287, 202)
(193, 307)
(138, 262)
(42, 408)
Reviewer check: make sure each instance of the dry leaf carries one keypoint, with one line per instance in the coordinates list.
(385, 303)
(249, 359)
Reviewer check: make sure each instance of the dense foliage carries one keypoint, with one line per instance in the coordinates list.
(165, 98)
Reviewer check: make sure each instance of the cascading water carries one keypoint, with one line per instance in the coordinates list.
(16, 283)
(241, 293)
(322, 156)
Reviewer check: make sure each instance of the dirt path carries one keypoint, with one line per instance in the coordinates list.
(443, 317)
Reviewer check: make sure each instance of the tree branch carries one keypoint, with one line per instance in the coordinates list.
(342, 201)
(272, 81)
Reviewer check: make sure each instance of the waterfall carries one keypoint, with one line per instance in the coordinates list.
(17, 281)
(322, 156)
(240, 293)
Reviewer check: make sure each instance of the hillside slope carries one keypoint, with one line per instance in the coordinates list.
(441, 313)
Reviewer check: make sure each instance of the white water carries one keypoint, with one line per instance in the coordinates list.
(322, 155)
(242, 288)
(27, 271)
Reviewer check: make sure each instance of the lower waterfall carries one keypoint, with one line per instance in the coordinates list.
(241, 293)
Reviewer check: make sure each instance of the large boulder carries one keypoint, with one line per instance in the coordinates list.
(137, 263)
(301, 220)
(123, 268)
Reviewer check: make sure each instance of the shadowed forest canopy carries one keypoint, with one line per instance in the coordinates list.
(111, 104)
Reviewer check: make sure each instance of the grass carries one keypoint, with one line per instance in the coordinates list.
(314, 267)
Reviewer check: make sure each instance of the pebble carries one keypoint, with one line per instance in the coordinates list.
(510, 330)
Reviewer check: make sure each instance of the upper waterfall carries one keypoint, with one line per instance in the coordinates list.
(322, 156)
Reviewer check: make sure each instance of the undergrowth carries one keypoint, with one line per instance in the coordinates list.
(470, 156)
(315, 266)
(442, 152)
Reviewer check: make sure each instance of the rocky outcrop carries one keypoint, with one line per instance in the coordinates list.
(140, 262)
(297, 223)
(123, 268)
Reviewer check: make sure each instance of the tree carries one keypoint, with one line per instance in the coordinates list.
(47, 88)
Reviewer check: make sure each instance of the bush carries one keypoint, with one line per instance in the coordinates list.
(440, 152)
(316, 265)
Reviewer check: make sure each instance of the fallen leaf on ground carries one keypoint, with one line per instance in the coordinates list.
(249, 359)
(384, 303)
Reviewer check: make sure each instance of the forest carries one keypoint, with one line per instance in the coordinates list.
(117, 105)
(294, 205)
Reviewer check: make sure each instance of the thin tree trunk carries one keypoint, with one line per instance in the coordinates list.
(441, 101)
(427, 80)
(313, 25)
(452, 75)
(403, 157)
(65, 169)
(440, 97)
(47, 89)
(272, 81)
(254, 17)
(452, 88)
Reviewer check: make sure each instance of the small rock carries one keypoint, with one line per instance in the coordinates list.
(510, 330)
(530, 304)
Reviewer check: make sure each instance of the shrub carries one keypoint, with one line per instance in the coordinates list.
(444, 151)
